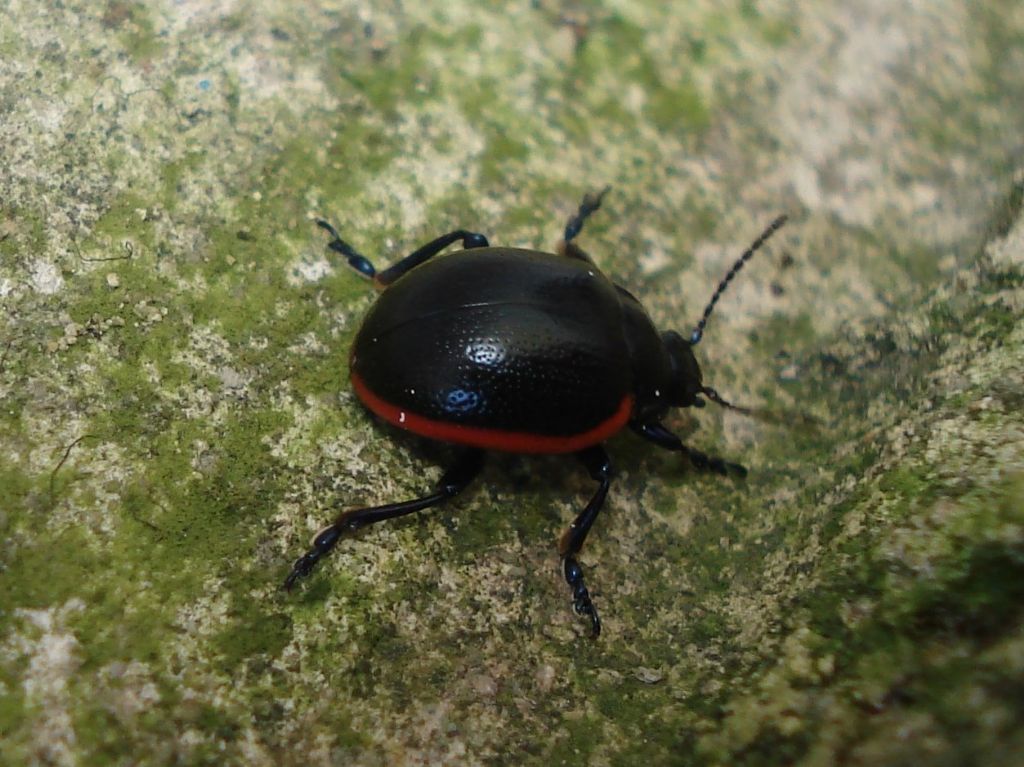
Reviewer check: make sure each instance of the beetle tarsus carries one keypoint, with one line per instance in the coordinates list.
(591, 203)
(303, 567)
(581, 601)
(355, 259)
(700, 460)
(454, 481)
(599, 465)
(322, 543)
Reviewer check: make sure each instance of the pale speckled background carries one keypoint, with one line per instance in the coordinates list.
(175, 420)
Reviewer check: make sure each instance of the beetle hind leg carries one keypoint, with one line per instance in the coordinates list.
(662, 437)
(355, 259)
(454, 481)
(362, 264)
(425, 252)
(600, 468)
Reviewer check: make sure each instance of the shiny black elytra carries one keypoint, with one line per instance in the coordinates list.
(518, 351)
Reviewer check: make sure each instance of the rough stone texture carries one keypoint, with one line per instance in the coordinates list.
(176, 423)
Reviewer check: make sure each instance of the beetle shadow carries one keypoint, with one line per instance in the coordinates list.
(521, 471)
(560, 477)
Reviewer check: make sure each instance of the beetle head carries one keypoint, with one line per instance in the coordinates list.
(686, 381)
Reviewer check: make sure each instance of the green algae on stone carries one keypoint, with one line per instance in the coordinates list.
(175, 422)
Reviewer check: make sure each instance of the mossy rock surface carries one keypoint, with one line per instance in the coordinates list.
(175, 419)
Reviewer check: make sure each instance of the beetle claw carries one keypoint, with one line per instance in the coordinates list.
(581, 601)
(303, 567)
(586, 607)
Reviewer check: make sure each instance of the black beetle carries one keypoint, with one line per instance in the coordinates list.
(518, 351)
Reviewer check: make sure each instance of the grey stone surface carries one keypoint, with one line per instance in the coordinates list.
(175, 419)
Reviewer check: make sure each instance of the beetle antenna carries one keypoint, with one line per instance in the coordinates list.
(698, 331)
(355, 259)
(778, 417)
(715, 397)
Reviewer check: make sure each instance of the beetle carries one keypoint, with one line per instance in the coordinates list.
(520, 351)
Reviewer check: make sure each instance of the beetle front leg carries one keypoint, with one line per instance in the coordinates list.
(599, 465)
(662, 437)
(454, 481)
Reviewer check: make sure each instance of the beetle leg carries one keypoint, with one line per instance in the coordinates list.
(599, 465)
(431, 249)
(662, 437)
(454, 481)
(355, 259)
(566, 247)
(591, 202)
(362, 264)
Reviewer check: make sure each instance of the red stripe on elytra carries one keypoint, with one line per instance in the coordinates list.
(492, 439)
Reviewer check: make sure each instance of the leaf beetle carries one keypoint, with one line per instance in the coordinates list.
(521, 351)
